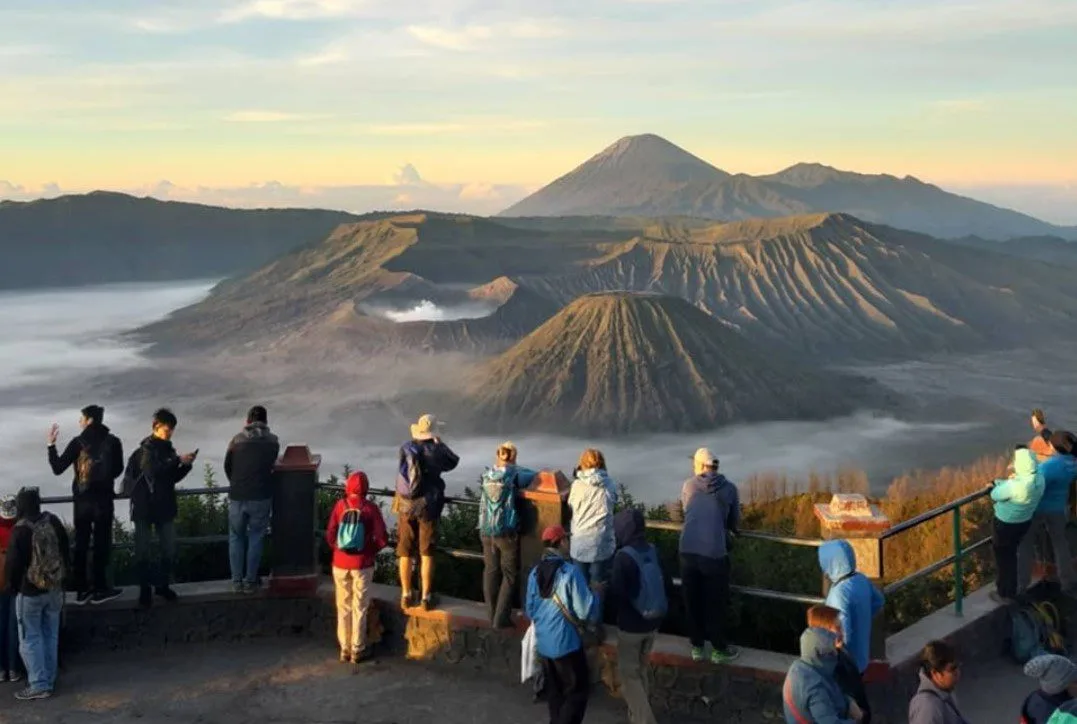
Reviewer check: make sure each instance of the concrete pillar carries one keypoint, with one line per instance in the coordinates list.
(850, 517)
(294, 567)
(542, 504)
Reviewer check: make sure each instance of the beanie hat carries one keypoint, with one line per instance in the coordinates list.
(1054, 672)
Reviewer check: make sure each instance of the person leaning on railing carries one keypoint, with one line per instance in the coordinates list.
(1015, 501)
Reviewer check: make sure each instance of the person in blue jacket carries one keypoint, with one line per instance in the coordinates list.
(853, 595)
(1059, 473)
(811, 694)
(557, 589)
(1016, 499)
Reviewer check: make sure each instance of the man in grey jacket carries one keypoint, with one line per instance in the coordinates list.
(935, 701)
(711, 507)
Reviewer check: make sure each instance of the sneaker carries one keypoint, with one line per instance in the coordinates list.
(238, 587)
(33, 694)
(697, 654)
(250, 588)
(730, 653)
(109, 594)
(167, 594)
(14, 676)
(145, 597)
(83, 597)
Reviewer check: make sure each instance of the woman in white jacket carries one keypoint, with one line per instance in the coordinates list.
(591, 499)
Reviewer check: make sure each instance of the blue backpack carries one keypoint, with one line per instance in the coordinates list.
(497, 505)
(409, 476)
(1035, 630)
(651, 601)
(351, 533)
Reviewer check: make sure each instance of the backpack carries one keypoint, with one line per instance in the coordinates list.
(92, 463)
(351, 533)
(651, 601)
(1035, 629)
(46, 571)
(135, 473)
(409, 476)
(497, 506)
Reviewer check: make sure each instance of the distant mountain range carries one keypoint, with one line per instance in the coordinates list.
(647, 175)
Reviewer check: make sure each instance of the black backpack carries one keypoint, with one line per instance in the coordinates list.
(93, 463)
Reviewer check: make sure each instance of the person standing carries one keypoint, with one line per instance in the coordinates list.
(10, 664)
(853, 595)
(420, 496)
(1015, 501)
(153, 471)
(711, 507)
(1059, 472)
(592, 499)
(355, 534)
(499, 523)
(638, 592)
(248, 465)
(37, 561)
(559, 603)
(97, 456)
(935, 701)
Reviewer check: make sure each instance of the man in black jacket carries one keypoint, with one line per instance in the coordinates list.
(37, 559)
(151, 477)
(97, 456)
(248, 465)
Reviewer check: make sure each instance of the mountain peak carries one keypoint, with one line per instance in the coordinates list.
(810, 174)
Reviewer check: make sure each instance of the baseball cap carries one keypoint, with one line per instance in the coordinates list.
(554, 534)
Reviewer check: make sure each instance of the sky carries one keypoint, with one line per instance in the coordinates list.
(470, 104)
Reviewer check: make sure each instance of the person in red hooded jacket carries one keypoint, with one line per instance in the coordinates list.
(356, 532)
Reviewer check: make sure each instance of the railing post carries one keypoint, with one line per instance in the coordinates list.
(295, 553)
(959, 575)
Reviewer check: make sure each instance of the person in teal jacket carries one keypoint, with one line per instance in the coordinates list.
(1015, 499)
(1059, 473)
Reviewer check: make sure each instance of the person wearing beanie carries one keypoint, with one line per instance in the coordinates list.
(10, 663)
(1049, 521)
(355, 534)
(1058, 685)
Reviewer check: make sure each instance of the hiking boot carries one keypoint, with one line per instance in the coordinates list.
(362, 655)
(407, 600)
(110, 594)
(33, 694)
(697, 654)
(83, 597)
(167, 594)
(724, 656)
(345, 657)
(145, 597)
(430, 602)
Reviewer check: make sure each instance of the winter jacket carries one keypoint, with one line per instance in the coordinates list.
(711, 509)
(856, 599)
(249, 463)
(153, 471)
(93, 436)
(1059, 472)
(810, 693)
(554, 576)
(591, 499)
(434, 458)
(1065, 714)
(932, 705)
(630, 529)
(376, 538)
(1039, 707)
(6, 528)
(499, 475)
(1016, 498)
(19, 554)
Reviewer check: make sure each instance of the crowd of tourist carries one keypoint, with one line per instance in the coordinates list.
(602, 563)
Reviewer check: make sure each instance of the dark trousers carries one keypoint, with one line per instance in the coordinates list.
(93, 522)
(166, 538)
(705, 584)
(501, 565)
(9, 636)
(567, 687)
(1006, 540)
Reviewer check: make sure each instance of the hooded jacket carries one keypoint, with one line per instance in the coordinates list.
(856, 599)
(555, 637)
(154, 471)
(591, 499)
(92, 436)
(810, 694)
(1059, 472)
(711, 509)
(249, 463)
(1017, 497)
(932, 705)
(630, 529)
(376, 538)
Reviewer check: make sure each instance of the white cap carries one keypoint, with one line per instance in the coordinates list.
(705, 457)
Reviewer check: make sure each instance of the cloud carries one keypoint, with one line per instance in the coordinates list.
(294, 10)
(470, 37)
(256, 116)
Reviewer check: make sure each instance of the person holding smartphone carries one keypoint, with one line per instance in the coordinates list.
(152, 473)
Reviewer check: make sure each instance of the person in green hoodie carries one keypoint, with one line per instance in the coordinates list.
(1015, 499)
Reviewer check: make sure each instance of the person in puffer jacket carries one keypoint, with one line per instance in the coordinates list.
(557, 580)
(499, 524)
(1058, 685)
(856, 599)
(353, 570)
(811, 694)
(1015, 499)
(592, 499)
